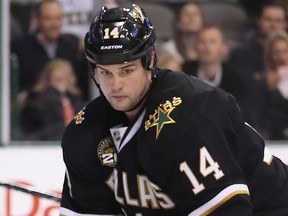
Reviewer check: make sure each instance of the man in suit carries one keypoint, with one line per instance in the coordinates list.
(46, 42)
(210, 66)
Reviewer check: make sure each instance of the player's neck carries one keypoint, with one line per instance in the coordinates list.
(133, 114)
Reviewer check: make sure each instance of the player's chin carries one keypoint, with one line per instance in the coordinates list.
(120, 106)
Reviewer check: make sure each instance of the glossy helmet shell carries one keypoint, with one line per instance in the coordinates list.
(119, 35)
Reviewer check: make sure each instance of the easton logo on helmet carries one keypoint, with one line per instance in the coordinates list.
(111, 47)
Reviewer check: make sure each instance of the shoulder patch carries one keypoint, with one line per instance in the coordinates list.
(161, 116)
(79, 117)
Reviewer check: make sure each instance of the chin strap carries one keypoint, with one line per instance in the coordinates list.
(92, 75)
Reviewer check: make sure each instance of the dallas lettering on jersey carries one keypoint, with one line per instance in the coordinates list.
(148, 192)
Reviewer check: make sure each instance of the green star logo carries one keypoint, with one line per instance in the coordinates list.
(163, 117)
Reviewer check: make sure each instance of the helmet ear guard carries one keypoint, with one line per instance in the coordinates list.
(149, 61)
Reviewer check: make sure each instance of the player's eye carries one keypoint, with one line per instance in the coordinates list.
(127, 71)
(105, 72)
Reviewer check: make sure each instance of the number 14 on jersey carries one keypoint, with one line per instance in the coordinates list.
(207, 166)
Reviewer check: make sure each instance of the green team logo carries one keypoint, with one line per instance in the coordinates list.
(106, 152)
(161, 116)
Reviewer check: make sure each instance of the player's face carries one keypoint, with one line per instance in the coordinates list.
(123, 85)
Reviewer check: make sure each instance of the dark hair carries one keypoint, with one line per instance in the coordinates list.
(273, 4)
(36, 10)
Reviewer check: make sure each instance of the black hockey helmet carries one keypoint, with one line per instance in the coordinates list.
(119, 35)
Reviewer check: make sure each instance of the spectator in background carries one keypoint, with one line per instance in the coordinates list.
(188, 22)
(253, 7)
(248, 59)
(52, 104)
(47, 42)
(77, 14)
(166, 60)
(210, 66)
(110, 4)
(274, 89)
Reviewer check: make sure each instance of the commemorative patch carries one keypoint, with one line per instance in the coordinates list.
(106, 152)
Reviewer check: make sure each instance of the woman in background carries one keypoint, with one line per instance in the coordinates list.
(189, 21)
(274, 89)
(52, 104)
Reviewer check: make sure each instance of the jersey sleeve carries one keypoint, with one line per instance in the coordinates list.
(86, 190)
(191, 158)
(87, 196)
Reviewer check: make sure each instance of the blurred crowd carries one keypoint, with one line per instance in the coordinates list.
(239, 46)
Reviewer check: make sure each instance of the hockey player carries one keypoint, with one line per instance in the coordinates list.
(158, 142)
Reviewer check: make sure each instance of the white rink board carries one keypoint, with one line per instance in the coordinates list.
(280, 151)
(43, 168)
